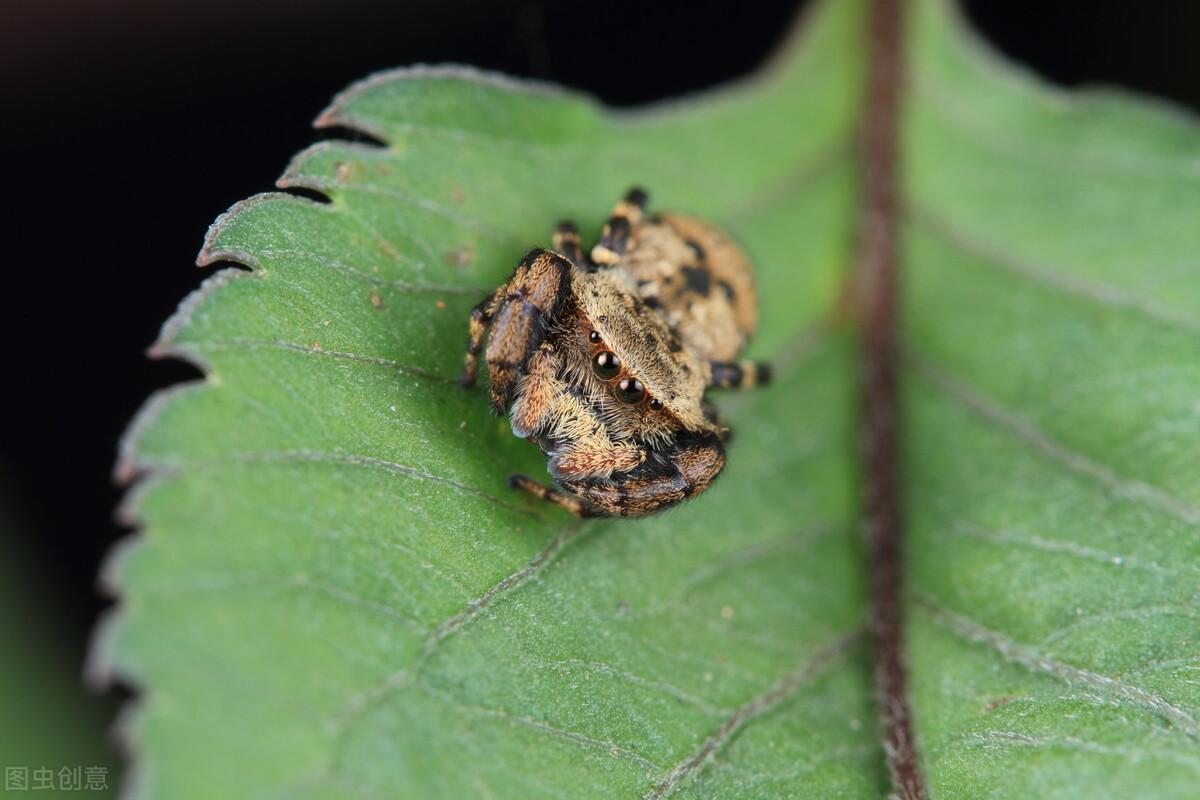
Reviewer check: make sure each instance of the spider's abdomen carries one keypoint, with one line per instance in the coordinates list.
(699, 279)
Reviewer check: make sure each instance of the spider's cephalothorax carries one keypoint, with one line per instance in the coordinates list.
(602, 360)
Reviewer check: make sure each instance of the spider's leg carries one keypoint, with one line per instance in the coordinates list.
(531, 300)
(552, 495)
(690, 468)
(481, 317)
(617, 236)
(739, 374)
(567, 241)
(724, 432)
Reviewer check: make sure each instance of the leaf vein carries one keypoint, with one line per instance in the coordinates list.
(1017, 739)
(544, 727)
(477, 225)
(237, 342)
(367, 277)
(638, 680)
(357, 460)
(1120, 485)
(755, 708)
(470, 610)
(1030, 658)
(1063, 546)
(1046, 275)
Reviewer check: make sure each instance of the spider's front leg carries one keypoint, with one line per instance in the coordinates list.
(581, 448)
(582, 462)
(551, 495)
(687, 469)
(481, 317)
(518, 314)
(569, 428)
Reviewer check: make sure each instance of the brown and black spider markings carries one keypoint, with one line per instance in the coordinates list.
(602, 360)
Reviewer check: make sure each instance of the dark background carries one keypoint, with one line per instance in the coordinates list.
(130, 124)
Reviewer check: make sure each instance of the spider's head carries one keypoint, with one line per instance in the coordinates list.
(626, 357)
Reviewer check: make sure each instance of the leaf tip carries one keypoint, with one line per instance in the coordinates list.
(340, 113)
(130, 463)
(214, 249)
(99, 666)
(166, 345)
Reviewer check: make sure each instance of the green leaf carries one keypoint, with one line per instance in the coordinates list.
(334, 594)
(1051, 428)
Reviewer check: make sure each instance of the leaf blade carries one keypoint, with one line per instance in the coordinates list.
(1050, 373)
(361, 518)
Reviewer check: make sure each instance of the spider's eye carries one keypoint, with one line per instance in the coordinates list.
(606, 364)
(594, 337)
(656, 404)
(630, 390)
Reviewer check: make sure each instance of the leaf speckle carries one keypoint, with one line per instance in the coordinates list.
(459, 256)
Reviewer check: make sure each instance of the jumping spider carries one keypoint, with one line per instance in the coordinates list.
(602, 360)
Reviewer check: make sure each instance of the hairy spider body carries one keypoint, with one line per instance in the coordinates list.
(603, 360)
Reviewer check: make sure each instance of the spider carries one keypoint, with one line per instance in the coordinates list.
(602, 360)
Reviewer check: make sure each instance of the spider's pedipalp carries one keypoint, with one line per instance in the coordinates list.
(690, 466)
(594, 457)
(538, 394)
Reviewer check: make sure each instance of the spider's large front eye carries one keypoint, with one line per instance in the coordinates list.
(630, 390)
(606, 364)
